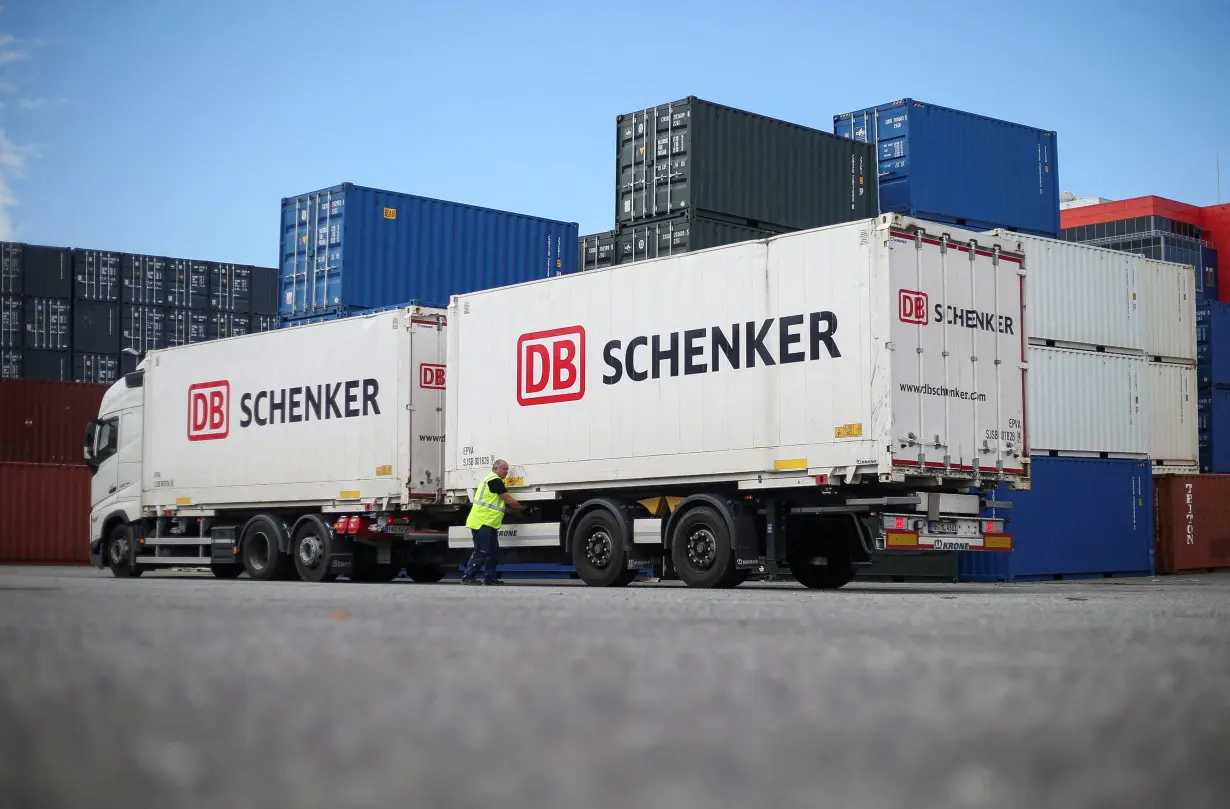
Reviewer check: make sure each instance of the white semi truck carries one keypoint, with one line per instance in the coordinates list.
(809, 399)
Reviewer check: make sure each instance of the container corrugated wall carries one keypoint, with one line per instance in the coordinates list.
(44, 513)
(1171, 310)
(1081, 518)
(1193, 522)
(681, 234)
(700, 156)
(1086, 402)
(44, 422)
(951, 166)
(1213, 343)
(350, 246)
(1172, 404)
(1214, 423)
(1081, 294)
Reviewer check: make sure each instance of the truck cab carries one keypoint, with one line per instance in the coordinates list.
(113, 452)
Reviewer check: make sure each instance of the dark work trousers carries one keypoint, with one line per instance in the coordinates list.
(486, 554)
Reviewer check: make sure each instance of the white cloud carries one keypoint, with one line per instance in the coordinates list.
(42, 103)
(12, 161)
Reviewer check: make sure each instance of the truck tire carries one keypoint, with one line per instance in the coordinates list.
(425, 574)
(119, 547)
(310, 548)
(837, 573)
(598, 551)
(262, 558)
(701, 551)
(367, 569)
(232, 571)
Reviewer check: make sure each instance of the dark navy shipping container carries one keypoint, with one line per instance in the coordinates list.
(98, 275)
(351, 246)
(47, 272)
(1212, 344)
(10, 268)
(673, 235)
(1082, 518)
(1206, 275)
(10, 364)
(48, 323)
(12, 322)
(184, 326)
(950, 166)
(1214, 429)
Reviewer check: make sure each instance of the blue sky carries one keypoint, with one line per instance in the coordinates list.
(176, 128)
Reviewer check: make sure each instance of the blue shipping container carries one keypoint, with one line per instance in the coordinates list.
(1212, 344)
(1083, 518)
(1214, 427)
(956, 167)
(1206, 281)
(350, 248)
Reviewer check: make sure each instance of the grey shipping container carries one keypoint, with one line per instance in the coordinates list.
(230, 287)
(102, 369)
(185, 326)
(144, 279)
(681, 234)
(96, 327)
(596, 250)
(142, 328)
(10, 364)
(187, 283)
(10, 268)
(97, 275)
(47, 272)
(694, 154)
(52, 366)
(47, 324)
(12, 322)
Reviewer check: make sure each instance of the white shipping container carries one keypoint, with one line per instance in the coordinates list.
(1087, 402)
(1172, 404)
(860, 349)
(344, 410)
(1082, 294)
(1171, 308)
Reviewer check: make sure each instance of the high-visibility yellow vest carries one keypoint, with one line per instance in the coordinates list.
(488, 508)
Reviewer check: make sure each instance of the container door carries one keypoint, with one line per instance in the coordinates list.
(957, 380)
(427, 352)
(312, 253)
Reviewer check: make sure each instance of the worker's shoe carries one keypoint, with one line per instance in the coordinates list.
(494, 582)
(470, 581)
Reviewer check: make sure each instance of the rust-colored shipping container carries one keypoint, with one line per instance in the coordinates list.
(44, 513)
(44, 422)
(1192, 522)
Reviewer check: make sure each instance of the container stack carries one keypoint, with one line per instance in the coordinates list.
(1213, 378)
(45, 507)
(1111, 402)
(348, 249)
(91, 315)
(691, 174)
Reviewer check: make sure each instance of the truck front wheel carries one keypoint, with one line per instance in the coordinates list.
(701, 550)
(119, 554)
(598, 550)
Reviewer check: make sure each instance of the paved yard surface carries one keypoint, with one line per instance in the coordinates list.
(182, 691)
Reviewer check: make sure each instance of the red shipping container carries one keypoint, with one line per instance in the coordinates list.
(1192, 519)
(44, 422)
(44, 513)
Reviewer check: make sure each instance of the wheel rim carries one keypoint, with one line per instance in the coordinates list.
(258, 551)
(119, 551)
(702, 548)
(311, 551)
(599, 549)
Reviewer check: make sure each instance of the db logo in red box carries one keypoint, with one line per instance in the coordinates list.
(551, 366)
(208, 409)
(913, 306)
(431, 376)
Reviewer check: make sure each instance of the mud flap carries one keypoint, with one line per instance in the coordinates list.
(747, 552)
(341, 555)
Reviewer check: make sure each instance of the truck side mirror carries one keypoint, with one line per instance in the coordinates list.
(91, 432)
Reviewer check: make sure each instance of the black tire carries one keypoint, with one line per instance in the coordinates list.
(598, 551)
(425, 574)
(310, 548)
(367, 569)
(232, 571)
(263, 560)
(701, 551)
(119, 545)
(802, 553)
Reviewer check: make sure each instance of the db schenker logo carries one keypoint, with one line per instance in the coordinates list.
(551, 366)
(912, 306)
(208, 410)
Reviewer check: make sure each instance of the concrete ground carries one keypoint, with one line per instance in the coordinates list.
(183, 691)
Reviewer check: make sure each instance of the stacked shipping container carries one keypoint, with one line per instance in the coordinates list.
(90, 315)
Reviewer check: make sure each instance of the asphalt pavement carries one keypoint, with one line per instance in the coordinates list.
(176, 690)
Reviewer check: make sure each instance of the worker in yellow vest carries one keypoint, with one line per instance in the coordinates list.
(486, 516)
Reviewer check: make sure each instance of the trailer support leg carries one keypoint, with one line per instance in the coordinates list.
(775, 541)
